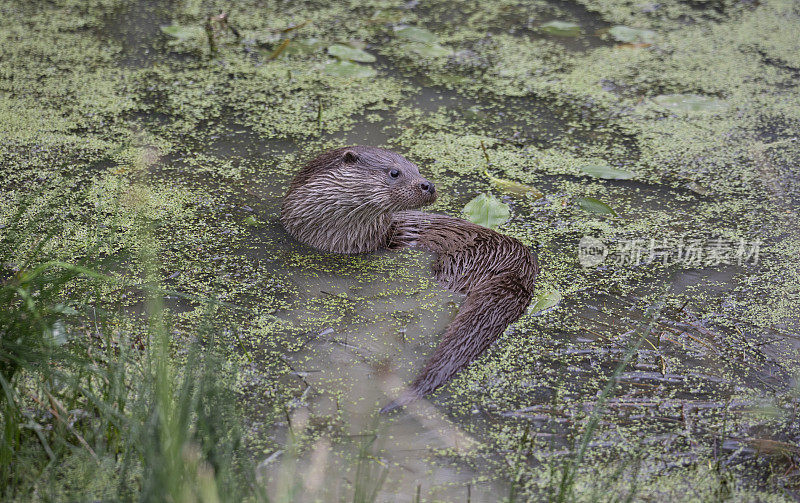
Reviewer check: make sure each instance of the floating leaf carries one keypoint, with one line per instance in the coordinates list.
(251, 221)
(430, 50)
(349, 69)
(514, 187)
(344, 52)
(593, 205)
(305, 46)
(632, 35)
(561, 28)
(424, 42)
(416, 34)
(691, 103)
(487, 211)
(606, 172)
(182, 32)
(545, 301)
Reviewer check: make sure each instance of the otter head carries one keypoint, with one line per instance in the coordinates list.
(343, 200)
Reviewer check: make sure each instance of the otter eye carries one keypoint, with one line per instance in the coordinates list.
(350, 157)
(394, 173)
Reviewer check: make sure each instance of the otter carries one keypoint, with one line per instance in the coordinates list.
(361, 199)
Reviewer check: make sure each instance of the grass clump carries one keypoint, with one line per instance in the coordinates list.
(99, 404)
(90, 411)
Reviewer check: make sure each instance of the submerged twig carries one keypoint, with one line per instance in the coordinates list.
(485, 154)
(279, 50)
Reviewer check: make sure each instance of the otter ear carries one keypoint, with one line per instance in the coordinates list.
(350, 157)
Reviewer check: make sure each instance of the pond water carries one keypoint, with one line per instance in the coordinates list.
(324, 340)
(368, 326)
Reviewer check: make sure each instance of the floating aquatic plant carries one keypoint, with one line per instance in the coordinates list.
(487, 211)
(561, 28)
(593, 205)
(347, 53)
(423, 42)
(632, 35)
(606, 172)
(350, 69)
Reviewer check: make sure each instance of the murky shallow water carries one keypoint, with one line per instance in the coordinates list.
(383, 323)
(384, 327)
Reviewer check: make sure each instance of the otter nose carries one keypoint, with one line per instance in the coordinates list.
(428, 187)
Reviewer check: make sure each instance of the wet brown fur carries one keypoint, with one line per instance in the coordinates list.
(344, 201)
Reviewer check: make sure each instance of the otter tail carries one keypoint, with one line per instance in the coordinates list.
(488, 309)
